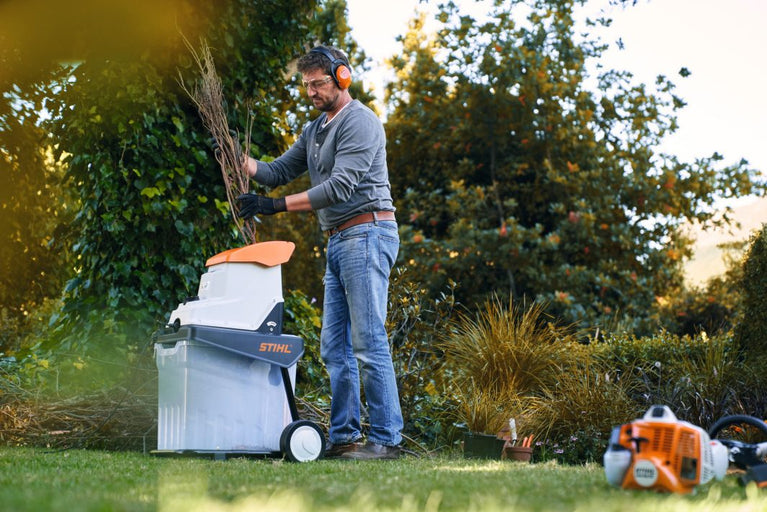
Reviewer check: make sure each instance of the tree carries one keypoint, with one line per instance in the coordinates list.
(514, 176)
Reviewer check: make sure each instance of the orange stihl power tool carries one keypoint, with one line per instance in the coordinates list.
(661, 453)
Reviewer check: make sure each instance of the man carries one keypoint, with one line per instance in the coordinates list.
(344, 150)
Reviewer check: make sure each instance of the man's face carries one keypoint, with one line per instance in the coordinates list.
(321, 89)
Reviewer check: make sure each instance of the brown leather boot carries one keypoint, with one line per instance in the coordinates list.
(334, 451)
(373, 451)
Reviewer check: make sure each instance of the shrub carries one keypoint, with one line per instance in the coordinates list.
(752, 326)
(27, 361)
(413, 323)
(304, 319)
(711, 310)
(506, 362)
(700, 378)
(575, 447)
(415, 320)
(512, 362)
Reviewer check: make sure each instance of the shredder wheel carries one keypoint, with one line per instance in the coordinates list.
(302, 441)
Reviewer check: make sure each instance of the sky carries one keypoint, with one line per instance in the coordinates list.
(721, 42)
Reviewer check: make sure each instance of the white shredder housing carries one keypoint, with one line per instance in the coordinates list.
(240, 288)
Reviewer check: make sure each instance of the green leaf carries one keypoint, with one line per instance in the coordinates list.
(177, 123)
(150, 192)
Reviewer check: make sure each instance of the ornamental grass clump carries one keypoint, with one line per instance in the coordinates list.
(499, 356)
(505, 348)
(480, 411)
(207, 95)
(584, 397)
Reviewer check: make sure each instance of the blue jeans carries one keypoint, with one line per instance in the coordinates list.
(359, 260)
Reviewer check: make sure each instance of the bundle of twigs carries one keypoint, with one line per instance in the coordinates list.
(109, 419)
(208, 96)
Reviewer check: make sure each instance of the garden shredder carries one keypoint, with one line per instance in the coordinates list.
(226, 370)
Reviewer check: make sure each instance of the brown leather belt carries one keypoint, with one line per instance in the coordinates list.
(362, 219)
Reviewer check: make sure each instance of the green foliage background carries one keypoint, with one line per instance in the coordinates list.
(512, 175)
(33, 208)
(508, 172)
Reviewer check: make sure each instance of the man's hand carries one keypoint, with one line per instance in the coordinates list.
(253, 204)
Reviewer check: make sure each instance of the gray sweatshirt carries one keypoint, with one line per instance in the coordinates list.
(346, 161)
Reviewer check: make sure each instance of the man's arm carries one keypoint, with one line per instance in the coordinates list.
(298, 202)
(294, 202)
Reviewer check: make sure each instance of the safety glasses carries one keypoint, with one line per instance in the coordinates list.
(316, 84)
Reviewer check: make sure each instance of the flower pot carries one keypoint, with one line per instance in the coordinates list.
(481, 446)
(521, 453)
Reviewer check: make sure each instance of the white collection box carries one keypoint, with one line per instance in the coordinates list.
(212, 399)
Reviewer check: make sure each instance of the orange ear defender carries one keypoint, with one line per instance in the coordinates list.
(339, 70)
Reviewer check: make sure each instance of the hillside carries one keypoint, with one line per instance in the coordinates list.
(708, 260)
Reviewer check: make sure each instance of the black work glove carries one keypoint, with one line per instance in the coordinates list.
(253, 204)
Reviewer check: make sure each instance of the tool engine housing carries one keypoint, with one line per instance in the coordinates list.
(661, 453)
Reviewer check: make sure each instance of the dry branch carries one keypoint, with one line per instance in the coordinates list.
(110, 419)
(208, 96)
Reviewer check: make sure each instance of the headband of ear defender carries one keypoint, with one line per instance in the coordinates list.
(339, 70)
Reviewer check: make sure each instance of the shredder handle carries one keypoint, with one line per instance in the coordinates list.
(289, 393)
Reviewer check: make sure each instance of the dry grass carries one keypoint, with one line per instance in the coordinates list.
(583, 397)
(499, 359)
(504, 348)
(208, 96)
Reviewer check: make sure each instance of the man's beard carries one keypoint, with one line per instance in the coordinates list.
(326, 105)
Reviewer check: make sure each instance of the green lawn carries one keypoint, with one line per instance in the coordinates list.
(69, 481)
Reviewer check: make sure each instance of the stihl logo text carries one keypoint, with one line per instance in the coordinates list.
(280, 348)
